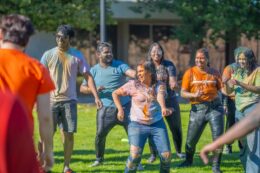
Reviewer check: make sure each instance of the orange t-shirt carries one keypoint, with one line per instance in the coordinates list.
(209, 82)
(227, 74)
(24, 76)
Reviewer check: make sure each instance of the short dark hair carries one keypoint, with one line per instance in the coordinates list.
(16, 29)
(101, 45)
(67, 30)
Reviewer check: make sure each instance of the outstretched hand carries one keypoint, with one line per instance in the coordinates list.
(205, 151)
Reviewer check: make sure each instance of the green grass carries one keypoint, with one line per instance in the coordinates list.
(117, 152)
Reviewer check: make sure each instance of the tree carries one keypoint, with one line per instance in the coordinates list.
(48, 14)
(227, 19)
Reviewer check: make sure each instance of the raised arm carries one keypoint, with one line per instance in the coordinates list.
(130, 73)
(251, 88)
(46, 130)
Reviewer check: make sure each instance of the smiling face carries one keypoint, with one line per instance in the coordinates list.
(156, 54)
(106, 56)
(242, 60)
(143, 75)
(201, 60)
(63, 41)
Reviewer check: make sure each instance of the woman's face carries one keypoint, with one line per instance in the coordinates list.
(201, 60)
(142, 74)
(156, 54)
(242, 60)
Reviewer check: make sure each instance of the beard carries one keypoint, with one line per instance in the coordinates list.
(107, 59)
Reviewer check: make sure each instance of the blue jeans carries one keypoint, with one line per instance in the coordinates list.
(157, 133)
(250, 149)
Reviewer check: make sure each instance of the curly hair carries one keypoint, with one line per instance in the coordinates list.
(16, 29)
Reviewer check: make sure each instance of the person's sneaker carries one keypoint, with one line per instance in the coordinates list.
(216, 169)
(227, 150)
(68, 171)
(184, 164)
(140, 167)
(96, 163)
(181, 155)
(151, 159)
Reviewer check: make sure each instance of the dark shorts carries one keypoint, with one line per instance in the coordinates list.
(65, 115)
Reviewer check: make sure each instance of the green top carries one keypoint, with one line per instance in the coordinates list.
(244, 97)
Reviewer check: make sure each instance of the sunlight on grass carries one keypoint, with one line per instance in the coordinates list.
(117, 151)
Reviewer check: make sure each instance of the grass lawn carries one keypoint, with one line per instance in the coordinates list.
(117, 151)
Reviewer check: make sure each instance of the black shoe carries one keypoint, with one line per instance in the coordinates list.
(216, 169)
(186, 163)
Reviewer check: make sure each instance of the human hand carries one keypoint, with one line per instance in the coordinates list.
(100, 88)
(120, 115)
(198, 94)
(225, 109)
(205, 151)
(99, 103)
(167, 111)
(48, 161)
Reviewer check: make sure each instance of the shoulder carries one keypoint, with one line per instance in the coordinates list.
(168, 63)
(116, 62)
(76, 53)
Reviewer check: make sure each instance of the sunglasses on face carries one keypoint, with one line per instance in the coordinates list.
(58, 36)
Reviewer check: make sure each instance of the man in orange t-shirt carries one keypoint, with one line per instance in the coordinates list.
(200, 84)
(26, 77)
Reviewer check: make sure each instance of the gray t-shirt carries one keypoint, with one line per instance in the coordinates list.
(63, 68)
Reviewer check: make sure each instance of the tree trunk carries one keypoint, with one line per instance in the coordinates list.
(230, 46)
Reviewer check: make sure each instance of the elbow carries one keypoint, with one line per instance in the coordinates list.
(82, 89)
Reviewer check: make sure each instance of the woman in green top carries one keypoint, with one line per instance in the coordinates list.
(246, 83)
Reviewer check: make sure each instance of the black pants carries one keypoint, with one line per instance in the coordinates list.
(106, 120)
(174, 124)
(231, 112)
(200, 115)
(230, 115)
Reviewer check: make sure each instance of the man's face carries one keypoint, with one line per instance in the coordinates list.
(63, 41)
(106, 55)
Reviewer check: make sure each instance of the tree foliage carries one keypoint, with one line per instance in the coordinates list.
(198, 16)
(227, 19)
(48, 14)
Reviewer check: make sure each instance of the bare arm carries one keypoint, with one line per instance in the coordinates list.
(91, 84)
(130, 73)
(189, 95)
(251, 88)
(85, 89)
(249, 123)
(173, 83)
(46, 129)
(161, 101)
(116, 94)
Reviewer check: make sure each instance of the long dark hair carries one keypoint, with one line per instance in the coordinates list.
(150, 49)
(150, 67)
(251, 60)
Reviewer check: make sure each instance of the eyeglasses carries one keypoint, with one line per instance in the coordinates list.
(58, 36)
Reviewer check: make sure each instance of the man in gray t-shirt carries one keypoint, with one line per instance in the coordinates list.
(64, 63)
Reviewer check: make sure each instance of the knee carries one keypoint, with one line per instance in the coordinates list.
(166, 157)
(69, 137)
(134, 158)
